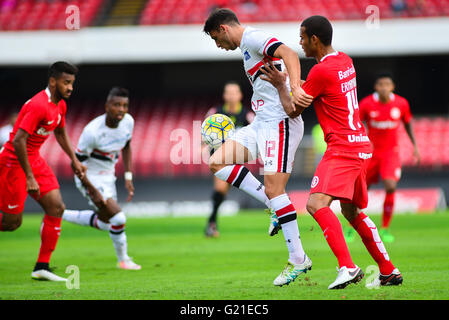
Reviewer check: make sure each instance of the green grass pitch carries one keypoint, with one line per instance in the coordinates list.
(180, 263)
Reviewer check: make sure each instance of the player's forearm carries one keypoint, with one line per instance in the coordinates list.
(293, 66)
(64, 141)
(286, 100)
(409, 130)
(127, 158)
(20, 147)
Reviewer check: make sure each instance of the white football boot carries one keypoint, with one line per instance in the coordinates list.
(292, 271)
(128, 264)
(46, 275)
(346, 276)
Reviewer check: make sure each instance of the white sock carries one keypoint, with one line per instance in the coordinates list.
(85, 218)
(286, 214)
(240, 177)
(118, 235)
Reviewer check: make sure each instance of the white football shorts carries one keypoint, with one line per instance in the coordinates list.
(276, 141)
(105, 184)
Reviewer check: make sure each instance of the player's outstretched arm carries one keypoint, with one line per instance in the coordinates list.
(66, 145)
(291, 60)
(409, 130)
(127, 161)
(277, 79)
(20, 147)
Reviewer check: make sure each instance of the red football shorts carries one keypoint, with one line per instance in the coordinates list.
(342, 175)
(13, 183)
(387, 165)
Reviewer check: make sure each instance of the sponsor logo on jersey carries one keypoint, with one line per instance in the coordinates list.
(383, 124)
(365, 156)
(247, 55)
(315, 181)
(344, 74)
(357, 138)
(43, 132)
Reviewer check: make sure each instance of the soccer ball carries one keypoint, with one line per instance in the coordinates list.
(216, 129)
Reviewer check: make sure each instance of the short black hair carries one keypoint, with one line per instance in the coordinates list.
(383, 74)
(218, 17)
(118, 92)
(60, 67)
(320, 27)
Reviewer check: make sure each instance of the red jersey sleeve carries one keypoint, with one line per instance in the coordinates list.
(315, 82)
(34, 114)
(406, 114)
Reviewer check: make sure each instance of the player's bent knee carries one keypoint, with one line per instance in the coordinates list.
(118, 219)
(11, 224)
(215, 165)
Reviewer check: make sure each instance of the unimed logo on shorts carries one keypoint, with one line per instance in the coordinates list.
(315, 181)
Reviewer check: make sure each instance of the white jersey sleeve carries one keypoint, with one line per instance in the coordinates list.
(86, 144)
(262, 43)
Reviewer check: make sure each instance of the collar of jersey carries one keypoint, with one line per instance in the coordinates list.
(376, 96)
(47, 91)
(330, 54)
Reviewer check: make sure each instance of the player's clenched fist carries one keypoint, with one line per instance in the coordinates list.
(79, 169)
(33, 186)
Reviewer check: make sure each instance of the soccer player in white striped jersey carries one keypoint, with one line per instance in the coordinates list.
(275, 132)
(98, 149)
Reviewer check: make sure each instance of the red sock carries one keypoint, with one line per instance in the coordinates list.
(388, 209)
(333, 233)
(370, 237)
(50, 231)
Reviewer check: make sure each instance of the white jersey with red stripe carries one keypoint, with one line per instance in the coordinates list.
(257, 47)
(99, 146)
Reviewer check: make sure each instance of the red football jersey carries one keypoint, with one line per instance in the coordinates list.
(384, 119)
(332, 83)
(39, 117)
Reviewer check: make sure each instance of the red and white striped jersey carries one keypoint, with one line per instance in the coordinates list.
(257, 47)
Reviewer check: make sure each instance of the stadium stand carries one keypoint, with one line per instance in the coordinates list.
(159, 126)
(18, 15)
(195, 11)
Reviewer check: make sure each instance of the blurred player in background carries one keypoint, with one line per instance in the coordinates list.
(23, 170)
(233, 108)
(275, 132)
(6, 130)
(99, 147)
(383, 111)
(341, 174)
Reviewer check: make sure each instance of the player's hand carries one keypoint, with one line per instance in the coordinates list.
(79, 169)
(301, 98)
(33, 187)
(273, 75)
(130, 187)
(416, 156)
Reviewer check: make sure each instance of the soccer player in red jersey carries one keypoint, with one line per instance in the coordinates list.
(341, 174)
(23, 171)
(383, 111)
